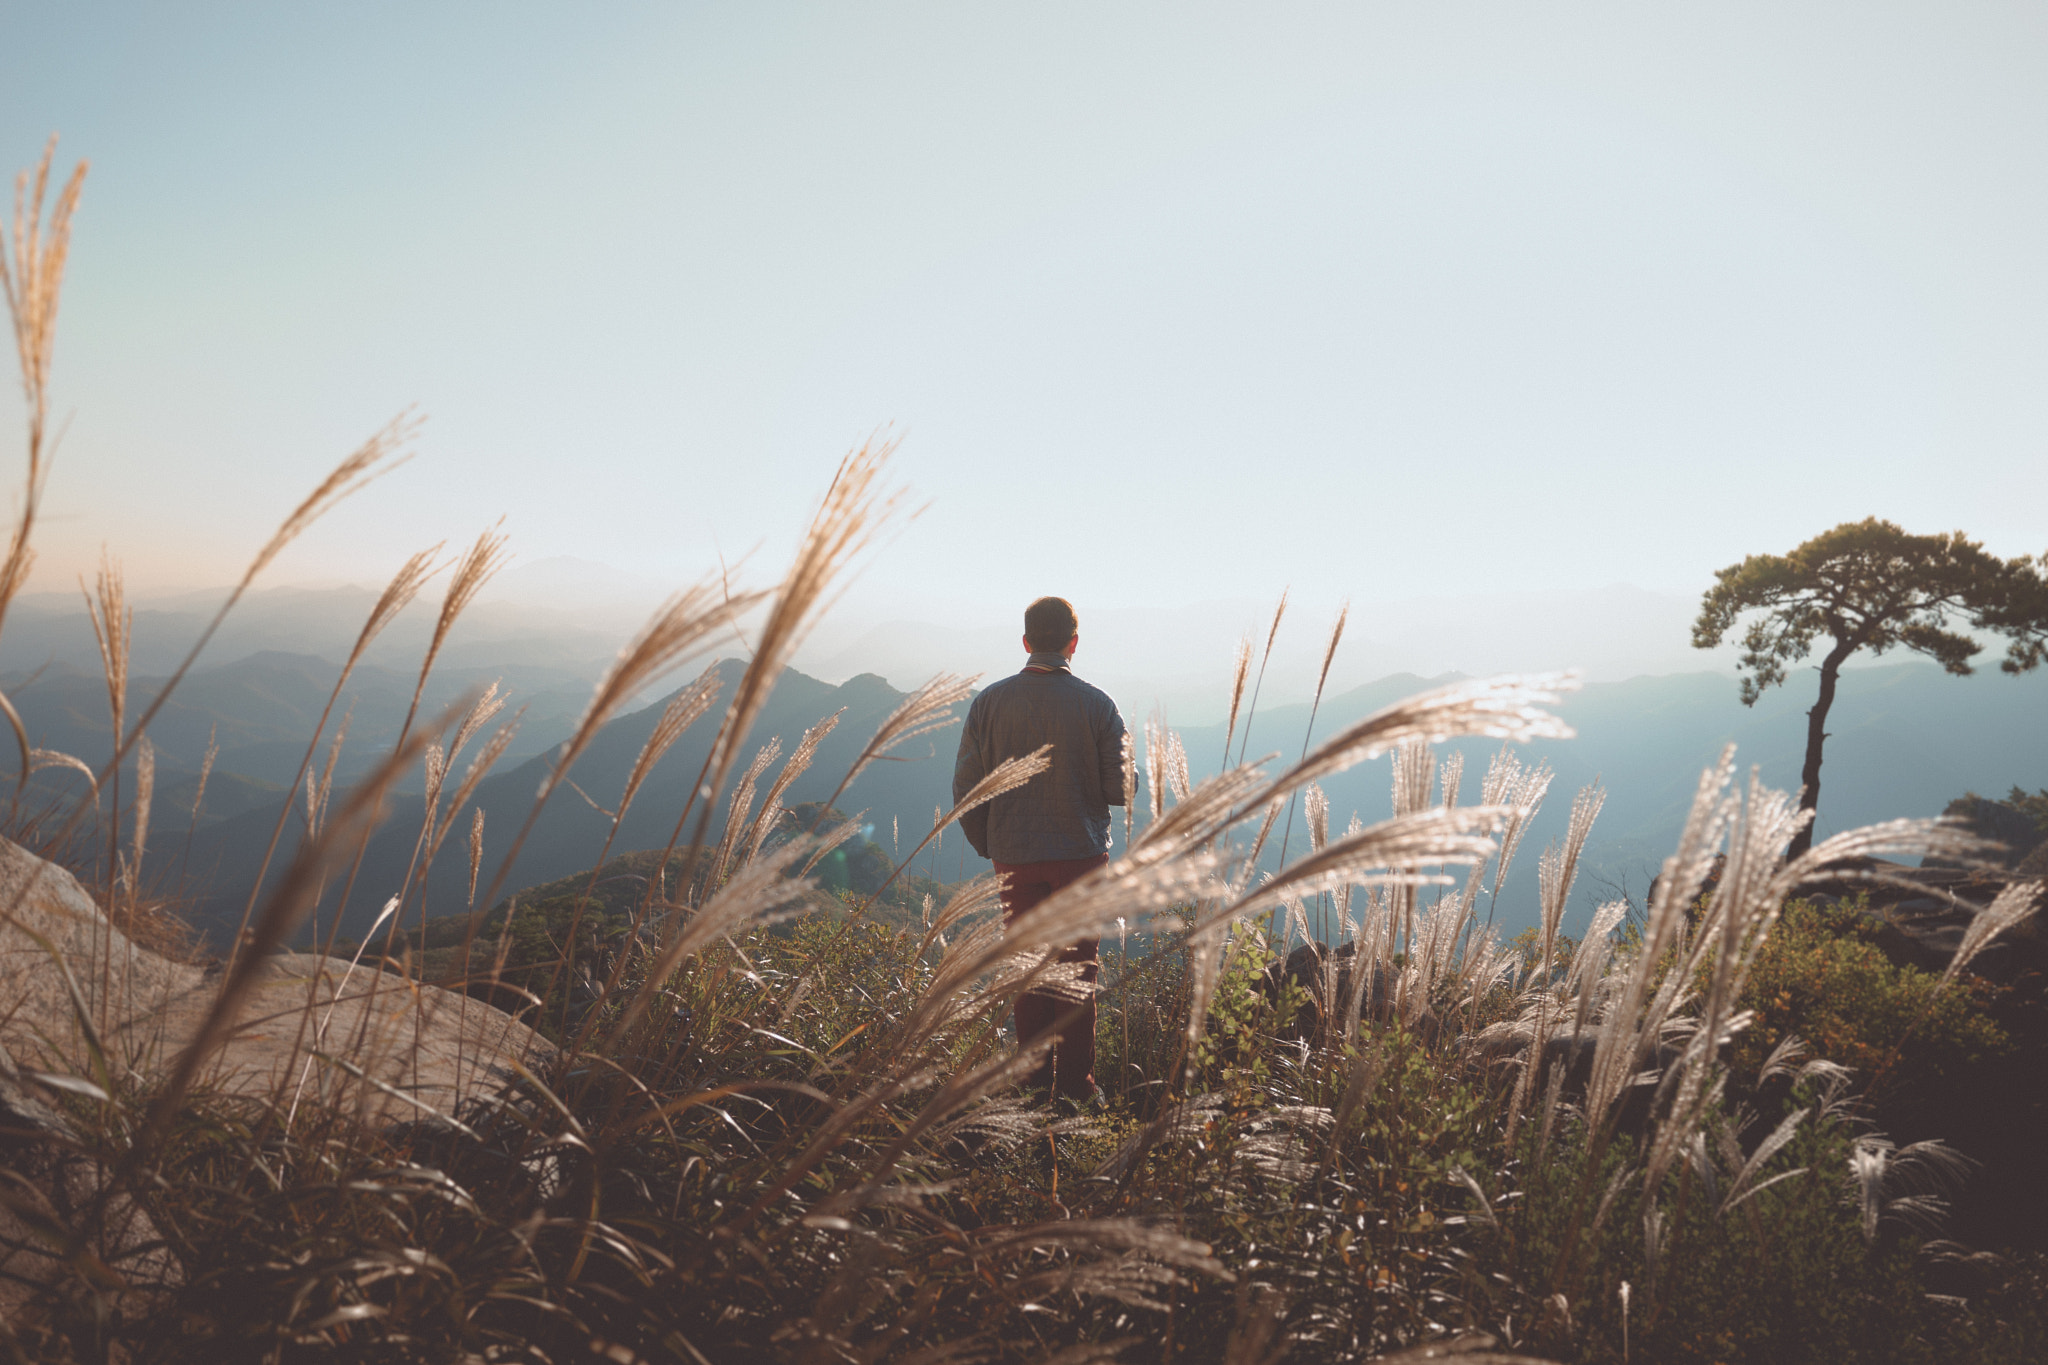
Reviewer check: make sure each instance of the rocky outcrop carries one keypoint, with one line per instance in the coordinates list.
(421, 1048)
(1918, 915)
(2011, 824)
(50, 928)
(311, 1033)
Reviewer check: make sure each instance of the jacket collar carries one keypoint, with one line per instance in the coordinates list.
(1048, 661)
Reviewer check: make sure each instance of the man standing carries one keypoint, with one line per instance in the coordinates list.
(1055, 828)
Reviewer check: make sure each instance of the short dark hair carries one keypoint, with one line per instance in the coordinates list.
(1049, 623)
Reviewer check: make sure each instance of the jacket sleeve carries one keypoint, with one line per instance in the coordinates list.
(1110, 754)
(970, 765)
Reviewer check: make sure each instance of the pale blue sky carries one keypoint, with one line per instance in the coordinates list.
(1170, 303)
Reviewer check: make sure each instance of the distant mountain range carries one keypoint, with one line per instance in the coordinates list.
(261, 711)
(900, 799)
(1906, 737)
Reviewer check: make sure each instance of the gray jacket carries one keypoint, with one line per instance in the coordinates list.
(1063, 812)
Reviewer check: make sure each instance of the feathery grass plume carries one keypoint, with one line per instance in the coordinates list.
(739, 813)
(1272, 634)
(1635, 1021)
(206, 767)
(1380, 855)
(684, 709)
(799, 763)
(1413, 766)
(40, 759)
(1006, 776)
(1752, 892)
(488, 705)
(1589, 959)
(113, 622)
(1315, 803)
(1155, 763)
(853, 512)
(476, 851)
(1206, 813)
(32, 277)
(1927, 1169)
(317, 794)
(199, 794)
(1240, 674)
(1342, 895)
(1384, 854)
(368, 462)
(1508, 707)
(1023, 952)
(1208, 947)
(1509, 783)
(1139, 1247)
(20, 739)
(434, 767)
(1131, 782)
(434, 826)
(1742, 1188)
(479, 767)
(951, 998)
(1176, 766)
(398, 594)
(1559, 868)
(2011, 907)
(478, 565)
(1450, 777)
(1746, 900)
(927, 709)
(1555, 873)
(438, 763)
(145, 787)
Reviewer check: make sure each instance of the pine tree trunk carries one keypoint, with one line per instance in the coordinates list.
(1816, 736)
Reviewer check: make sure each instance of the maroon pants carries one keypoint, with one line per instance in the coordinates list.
(1069, 1068)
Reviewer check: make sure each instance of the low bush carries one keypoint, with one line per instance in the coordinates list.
(1910, 1036)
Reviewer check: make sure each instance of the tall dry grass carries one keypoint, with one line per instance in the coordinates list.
(780, 1135)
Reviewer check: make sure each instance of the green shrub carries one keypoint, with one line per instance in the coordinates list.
(1905, 1032)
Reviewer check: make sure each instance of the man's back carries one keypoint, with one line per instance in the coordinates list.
(1062, 813)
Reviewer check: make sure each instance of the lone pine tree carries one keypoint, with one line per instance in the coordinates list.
(1870, 585)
